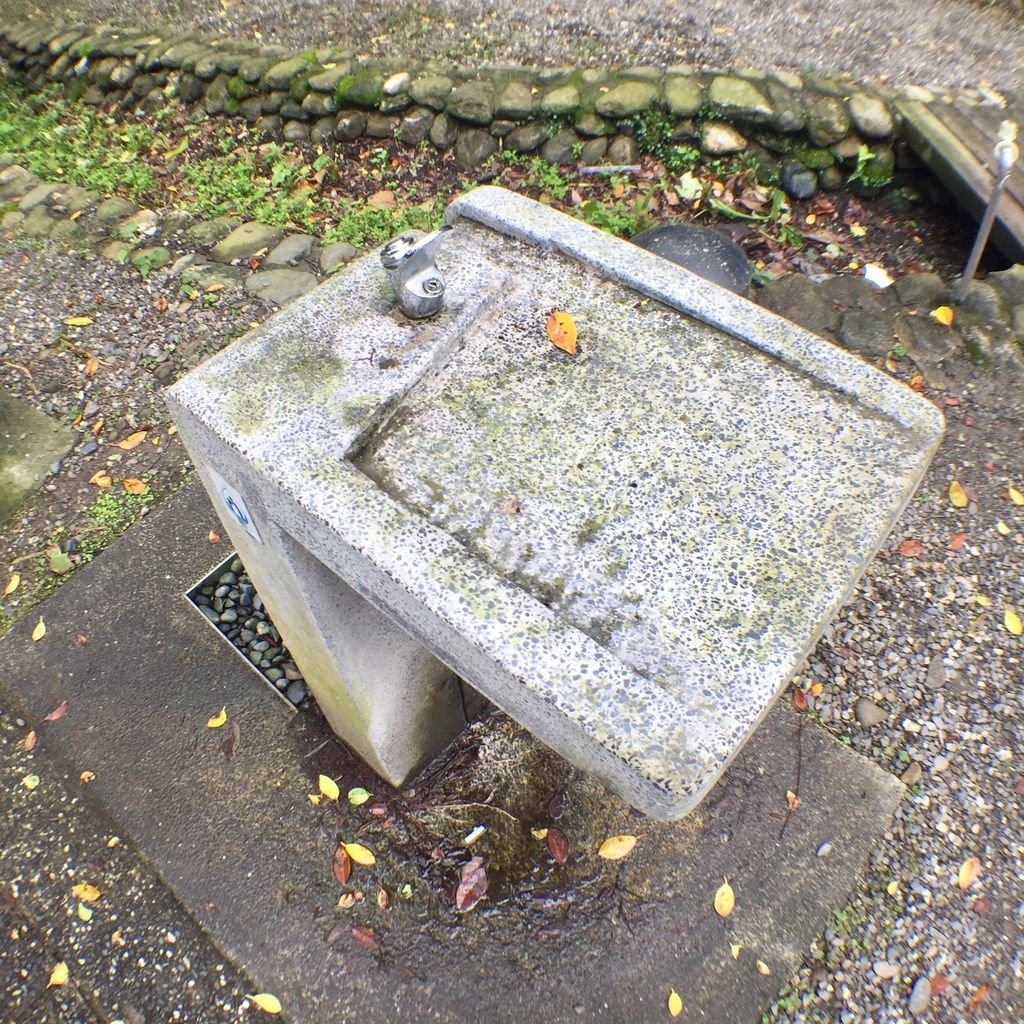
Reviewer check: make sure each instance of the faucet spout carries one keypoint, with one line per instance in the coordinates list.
(409, 262)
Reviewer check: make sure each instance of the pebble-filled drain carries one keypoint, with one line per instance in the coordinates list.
(228, 599)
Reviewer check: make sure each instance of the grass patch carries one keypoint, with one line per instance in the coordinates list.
(64, 141)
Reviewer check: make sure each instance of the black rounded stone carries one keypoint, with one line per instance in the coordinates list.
(703, 251)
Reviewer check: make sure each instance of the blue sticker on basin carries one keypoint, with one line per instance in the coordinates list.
(235, 506)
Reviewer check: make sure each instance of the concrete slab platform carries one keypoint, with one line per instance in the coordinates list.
(239, 842)
(30, 442)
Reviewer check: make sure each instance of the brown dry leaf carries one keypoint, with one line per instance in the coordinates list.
(472, 885)
(342, 865)
(133, 486)
(92, 364)
(12, 584)
(1011, 620)
(365, 937)
(940, 985)
(918, 383)
(969, 872)
(617, 847)
(132, 440)
(383, 200)
(101, 479)
(558, 844)
(85, 892)
(161, 304)
(58, 976)
(725, 899)
(346, 901)
(911, 548)
(117, 939)
(29, 742)
(978, 998)
(213, 537)
(383, 899)
(214, 288)
(360, 854)
(957, 495)
(792, 800)
(957, 542)
(217, 720)
(561, 331)
(800, 700)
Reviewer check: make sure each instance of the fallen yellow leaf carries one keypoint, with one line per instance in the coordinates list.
(40, 630)
(357, 796)
(957, 495)
(101, 479)
(763, 968)
(132, 440)
(360, 854)
(12, 584)
(982, 600)
(893, 887)
(1015, 496)
(539, 833)
(969, 872)
(85, 892)
(133, 486)
(30, 781)
(561, 330)
(87, 776)
(617, 847)
(29, 742)
(725, 900)
(79, 321)
(84, 913)
(675, 1003)
(735, 948)
(92, 364)
(58, 976)
(1011, 620)
(944, 315)
(328, 787)
(315, 798)
(217, 720)
(266, 1002)
(1002, 529)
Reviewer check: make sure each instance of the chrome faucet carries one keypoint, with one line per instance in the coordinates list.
(409, 261)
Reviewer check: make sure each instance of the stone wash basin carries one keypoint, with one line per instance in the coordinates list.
(631, 550)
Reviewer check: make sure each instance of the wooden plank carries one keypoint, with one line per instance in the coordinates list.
(964, 173)
(979, 135)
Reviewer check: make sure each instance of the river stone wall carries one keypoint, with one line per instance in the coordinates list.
(805, 131)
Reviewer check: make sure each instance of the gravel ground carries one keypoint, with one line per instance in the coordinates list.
(946, 42)
(142, 330)
(137, 957)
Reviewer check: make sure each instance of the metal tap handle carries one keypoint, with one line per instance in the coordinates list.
(409, 261)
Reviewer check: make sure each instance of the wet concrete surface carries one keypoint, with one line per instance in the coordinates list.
(225, 819)
(30, 443)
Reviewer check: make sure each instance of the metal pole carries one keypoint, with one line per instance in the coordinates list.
(1006, 153)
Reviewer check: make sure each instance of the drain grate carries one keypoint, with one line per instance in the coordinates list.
(228, 601)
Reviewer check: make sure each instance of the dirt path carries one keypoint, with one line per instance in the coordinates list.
(946, 42)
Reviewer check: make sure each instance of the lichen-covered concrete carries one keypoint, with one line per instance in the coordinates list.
(630, 550)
